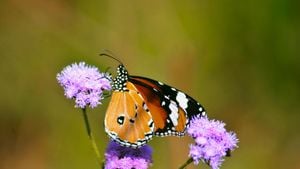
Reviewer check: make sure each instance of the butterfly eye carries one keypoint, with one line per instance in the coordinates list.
(120, 120)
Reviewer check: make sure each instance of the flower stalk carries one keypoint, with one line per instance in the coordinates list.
(189, 161)
(91, 137)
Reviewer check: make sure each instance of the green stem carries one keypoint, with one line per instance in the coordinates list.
(190, 160)
(90, 134)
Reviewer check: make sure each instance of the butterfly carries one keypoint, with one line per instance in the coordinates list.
(141, 108)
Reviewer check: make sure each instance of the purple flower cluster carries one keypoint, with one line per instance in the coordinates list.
(212, 141)
(120, 157)
(84, 83)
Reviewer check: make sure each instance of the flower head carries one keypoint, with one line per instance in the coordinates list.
(120, 157)
(212, 141)
(84, 83)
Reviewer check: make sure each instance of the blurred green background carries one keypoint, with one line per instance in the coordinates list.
(239, 59)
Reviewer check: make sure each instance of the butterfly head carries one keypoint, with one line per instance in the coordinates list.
(119, 82)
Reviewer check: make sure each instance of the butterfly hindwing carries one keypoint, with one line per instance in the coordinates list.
(128, 120)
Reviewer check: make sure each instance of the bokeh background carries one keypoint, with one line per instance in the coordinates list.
(240, 59)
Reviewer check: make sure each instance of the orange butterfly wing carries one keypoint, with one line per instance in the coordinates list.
(128, 120)
(169, 118)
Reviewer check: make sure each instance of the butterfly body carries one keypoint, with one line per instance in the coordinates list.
(141, 107)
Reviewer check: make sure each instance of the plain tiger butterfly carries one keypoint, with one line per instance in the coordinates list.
(141, 108)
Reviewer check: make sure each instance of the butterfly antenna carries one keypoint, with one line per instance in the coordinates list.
(110, 56)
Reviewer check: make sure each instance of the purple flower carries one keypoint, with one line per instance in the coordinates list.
(212, 141)
(84, 83)
(120, 157)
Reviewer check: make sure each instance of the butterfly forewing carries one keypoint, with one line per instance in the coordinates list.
(170, 108)
(127, 120)
(186, 102)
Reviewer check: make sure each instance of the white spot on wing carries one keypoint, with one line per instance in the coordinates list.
(174, 113)
(182, 100)
(145, 107)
